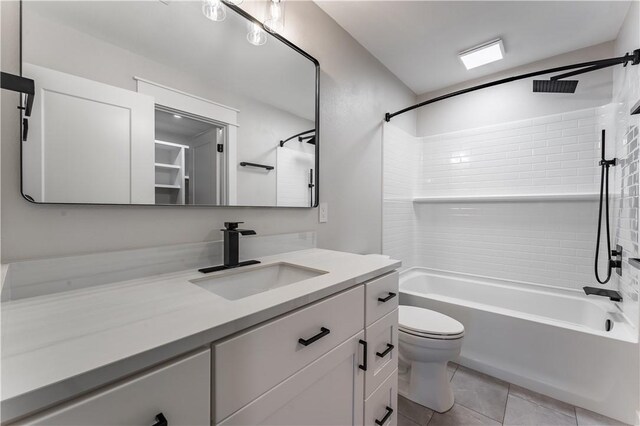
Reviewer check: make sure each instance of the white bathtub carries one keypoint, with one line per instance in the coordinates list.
(549, 340)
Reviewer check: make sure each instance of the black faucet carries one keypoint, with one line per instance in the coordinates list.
(613, 295)
(232, 248)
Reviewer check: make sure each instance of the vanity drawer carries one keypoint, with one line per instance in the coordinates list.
(179, 390)
(381, 297)
(248, 365)
(381, 403)
(326, 392)
(382, 339)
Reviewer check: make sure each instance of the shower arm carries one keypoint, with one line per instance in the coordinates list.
(580, 68)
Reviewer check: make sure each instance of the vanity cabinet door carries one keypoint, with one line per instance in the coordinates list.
(382, 354)
(180, 391)
(327, 392)
(251, 363)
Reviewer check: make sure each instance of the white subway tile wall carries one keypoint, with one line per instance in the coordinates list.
(546, 155)
(549, 243)
(626, 228)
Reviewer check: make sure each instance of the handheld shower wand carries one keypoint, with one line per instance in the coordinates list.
(604, 194)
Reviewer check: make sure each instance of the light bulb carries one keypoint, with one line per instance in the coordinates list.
(214, 10)
(274, 22)
(256, 35)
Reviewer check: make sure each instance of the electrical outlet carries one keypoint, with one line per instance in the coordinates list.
(323, 212)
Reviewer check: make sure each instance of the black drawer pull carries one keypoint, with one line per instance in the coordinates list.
(310, 340)
(386, 299)
(161, 420)
(363, 366)
(386, 351)
(386, 416)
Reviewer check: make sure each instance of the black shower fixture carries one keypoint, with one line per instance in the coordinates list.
(302, 136)
(556, 84)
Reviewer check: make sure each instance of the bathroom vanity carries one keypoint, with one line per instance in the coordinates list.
(307, 337)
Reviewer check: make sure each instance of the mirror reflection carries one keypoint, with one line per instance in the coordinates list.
(171, 108)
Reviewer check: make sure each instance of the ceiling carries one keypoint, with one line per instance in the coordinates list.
(419, 40)
(185, 128)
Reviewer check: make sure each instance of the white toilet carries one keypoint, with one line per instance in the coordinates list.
(428, 340)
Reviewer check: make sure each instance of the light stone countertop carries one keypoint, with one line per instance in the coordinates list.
(57, 346)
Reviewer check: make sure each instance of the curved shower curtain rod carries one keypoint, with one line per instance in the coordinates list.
(299, 136)
(580, 68)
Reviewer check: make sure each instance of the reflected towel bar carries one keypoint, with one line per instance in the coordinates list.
(245, 164)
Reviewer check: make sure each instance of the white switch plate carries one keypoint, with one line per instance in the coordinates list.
(323, 212)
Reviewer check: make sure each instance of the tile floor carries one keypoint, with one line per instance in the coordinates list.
(485, 400)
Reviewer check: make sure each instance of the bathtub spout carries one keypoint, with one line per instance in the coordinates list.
(613, 295)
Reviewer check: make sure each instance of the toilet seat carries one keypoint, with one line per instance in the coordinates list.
(428, 324)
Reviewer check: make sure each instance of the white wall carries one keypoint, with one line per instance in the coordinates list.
(356, 91)
(516, 101)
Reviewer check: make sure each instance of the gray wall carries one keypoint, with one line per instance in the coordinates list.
(516, 100)
(356, 91)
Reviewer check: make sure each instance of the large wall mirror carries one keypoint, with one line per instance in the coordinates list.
(151, 102)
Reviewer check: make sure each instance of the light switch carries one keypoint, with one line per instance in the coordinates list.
(323, 212)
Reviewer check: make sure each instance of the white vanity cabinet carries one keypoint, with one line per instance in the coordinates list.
(320, 365)
(180, 391)
(331, 362)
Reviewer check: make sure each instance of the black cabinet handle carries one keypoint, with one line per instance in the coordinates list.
(161, 420)
(386, 416)
(364, 344)
(386, 351)
(386, 299)
(310, 340)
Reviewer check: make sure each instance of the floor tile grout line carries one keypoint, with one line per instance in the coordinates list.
(575, 416)
(478, 412)
(506, 403)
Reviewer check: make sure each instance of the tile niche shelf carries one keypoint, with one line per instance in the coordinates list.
(522, 198)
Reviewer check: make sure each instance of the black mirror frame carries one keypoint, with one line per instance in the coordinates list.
(250, 18)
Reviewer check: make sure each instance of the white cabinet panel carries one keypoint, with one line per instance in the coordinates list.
(381, 297)
(327, 392)
(179, 390)
(88, 142)
(380, 409)
(382, 339)
(251, 363)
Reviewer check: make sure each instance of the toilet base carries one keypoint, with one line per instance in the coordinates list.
(427, 384)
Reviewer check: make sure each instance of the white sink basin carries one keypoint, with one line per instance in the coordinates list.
(236, 284)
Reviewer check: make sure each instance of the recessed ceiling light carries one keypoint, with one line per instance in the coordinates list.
(177, 116)
(481, 55)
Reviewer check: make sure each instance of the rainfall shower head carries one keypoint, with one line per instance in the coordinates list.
(555, 86)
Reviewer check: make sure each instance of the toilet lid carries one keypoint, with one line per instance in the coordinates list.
(422, 321)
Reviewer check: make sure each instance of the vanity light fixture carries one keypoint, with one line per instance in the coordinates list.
(214, 10)
(256, 34)
(274, 18)
(177, 116)
(484, 54)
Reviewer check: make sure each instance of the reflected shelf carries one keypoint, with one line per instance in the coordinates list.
(167, 166)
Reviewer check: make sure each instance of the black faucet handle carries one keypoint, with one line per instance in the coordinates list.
(231, 226)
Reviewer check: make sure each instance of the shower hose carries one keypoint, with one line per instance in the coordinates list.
(604, 194)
